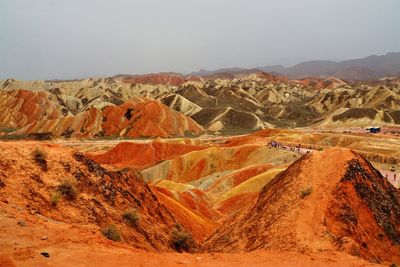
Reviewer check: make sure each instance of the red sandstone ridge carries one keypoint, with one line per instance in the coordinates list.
(325, 201)
(141, 117)
(159, 78)
(149, 118)
(142, 155)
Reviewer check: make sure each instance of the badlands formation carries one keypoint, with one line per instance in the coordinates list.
(227, 169)
(173, 105)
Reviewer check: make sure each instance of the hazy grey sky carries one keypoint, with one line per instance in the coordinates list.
(46, 39)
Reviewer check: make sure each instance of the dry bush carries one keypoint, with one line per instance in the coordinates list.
(181, 240)
(131, 216)
(55, 198)
(111, 232)
(68, 190)
(305, 192)
(40, 158)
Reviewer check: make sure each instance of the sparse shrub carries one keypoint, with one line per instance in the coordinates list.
(68, 190)
(111, 232)
(305, 192)
(55, 198)
(40, 158)
(181, 240)
(131, 216)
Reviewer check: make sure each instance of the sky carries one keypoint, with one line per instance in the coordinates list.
(55, 39)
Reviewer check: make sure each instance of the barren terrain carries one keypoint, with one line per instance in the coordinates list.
(235, 169)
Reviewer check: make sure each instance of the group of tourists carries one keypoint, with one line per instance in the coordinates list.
(298, 148)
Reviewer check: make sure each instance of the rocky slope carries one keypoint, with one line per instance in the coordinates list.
(59, 185)
(331, 200)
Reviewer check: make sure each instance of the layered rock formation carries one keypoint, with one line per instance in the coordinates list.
(236, 103)
(331, 200)
(143, 155)
(141, 117)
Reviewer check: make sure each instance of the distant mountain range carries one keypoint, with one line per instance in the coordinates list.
(369, 68)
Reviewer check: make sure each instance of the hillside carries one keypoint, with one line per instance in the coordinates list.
(90, 197)
(331, 200)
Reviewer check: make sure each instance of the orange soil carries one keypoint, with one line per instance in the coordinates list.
(78, 245)
(198, 225)
(142, 155)
(149, 118)
(70, 232)
(103, 195)
(350, 207)
(247, 173)
(70, 245)
(237, 203)
(195, 200)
